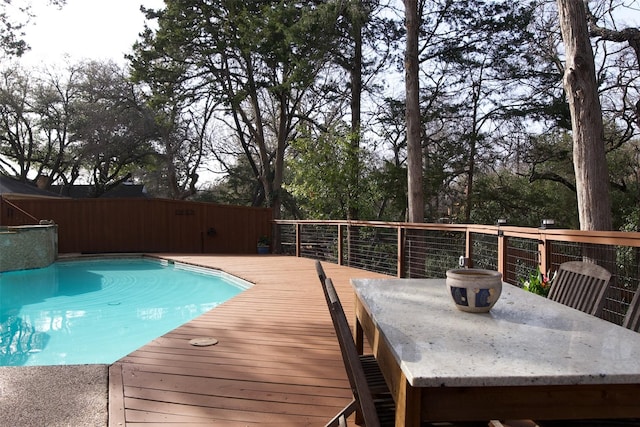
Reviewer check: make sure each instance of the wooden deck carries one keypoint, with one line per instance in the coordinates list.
(277, 361)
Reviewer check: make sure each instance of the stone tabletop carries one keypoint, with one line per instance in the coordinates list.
(524, 340)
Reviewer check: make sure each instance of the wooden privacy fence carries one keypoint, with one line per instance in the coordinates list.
(142, 225)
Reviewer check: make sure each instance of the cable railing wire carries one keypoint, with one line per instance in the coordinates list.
(425, 251)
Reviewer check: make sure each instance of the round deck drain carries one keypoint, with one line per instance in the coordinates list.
(203, 342)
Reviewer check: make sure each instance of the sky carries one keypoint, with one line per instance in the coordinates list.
(89, 29)
(85, 29)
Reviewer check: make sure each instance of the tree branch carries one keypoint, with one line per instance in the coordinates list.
(551, 176)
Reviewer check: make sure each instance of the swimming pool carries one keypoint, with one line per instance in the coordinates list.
(97, 311)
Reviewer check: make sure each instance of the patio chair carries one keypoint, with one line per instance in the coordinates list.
(375, 379)
(631, 321)
(580, 285)
(591, 423)
(322, 277)
(374, 412)
(632, 318)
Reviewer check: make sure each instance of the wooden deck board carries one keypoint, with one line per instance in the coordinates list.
(277, 361)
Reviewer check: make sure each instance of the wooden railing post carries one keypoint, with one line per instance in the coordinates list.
(340, 236)
(298, 238)
(502, 253)
(401, 252)
(415, 247)
(468, 249)
(544, 259)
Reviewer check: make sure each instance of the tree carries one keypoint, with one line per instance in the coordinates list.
(183, 135)
(485, 62)
(237, 185)
(36, 112)
(258, 58)
(412, 112)
(391, 177)
(322, 169)
(629, 35)
(112, 127)
(355, 16)
(619, 68)
(366, 36)
(594, 206)
(14, 17)
(86, 120)
(18, 134)
(474, 79)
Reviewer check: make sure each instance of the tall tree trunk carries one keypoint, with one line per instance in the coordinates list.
(353, 233)
(356, 100)
(592, 177)
(414, 239)
(412, 87)
(473, 148)
(275, 195)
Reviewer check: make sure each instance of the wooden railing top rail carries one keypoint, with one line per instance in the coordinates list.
(621, 238)
(517, 252)
(379, 224)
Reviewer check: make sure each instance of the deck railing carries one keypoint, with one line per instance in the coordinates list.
(428, 250)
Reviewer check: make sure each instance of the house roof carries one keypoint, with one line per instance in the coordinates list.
(14, 187)
(123, 190)
(127, 190)
(11, 186)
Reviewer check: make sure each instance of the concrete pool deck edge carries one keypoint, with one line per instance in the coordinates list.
(64, 395)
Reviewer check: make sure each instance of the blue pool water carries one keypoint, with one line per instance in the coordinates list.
(97, 311)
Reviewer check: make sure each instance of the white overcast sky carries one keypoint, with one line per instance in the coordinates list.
(85, 29)
(100, 29)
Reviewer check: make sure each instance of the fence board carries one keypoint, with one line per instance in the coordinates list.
(143, 225)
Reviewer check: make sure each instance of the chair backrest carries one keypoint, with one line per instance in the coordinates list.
(580, 285)
(632, 318)
(355, 371)
(322, 276)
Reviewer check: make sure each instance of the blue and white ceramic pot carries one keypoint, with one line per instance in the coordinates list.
(474, 290)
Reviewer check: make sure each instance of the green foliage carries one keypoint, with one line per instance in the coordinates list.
(234, 48)
(388, 191)
(538, 283)
(111, 122)
(534, 183)
(15, 15)
(264, 241)
(237, 186)
(521, 202)
(256, 59)
(625, 184)
(328, 175)
(278, 74)
(437, 263)
(87, 119)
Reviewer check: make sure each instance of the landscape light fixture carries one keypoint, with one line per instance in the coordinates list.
(548, 223)
(501, 221)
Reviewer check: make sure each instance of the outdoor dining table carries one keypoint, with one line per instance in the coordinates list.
(528, 358)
